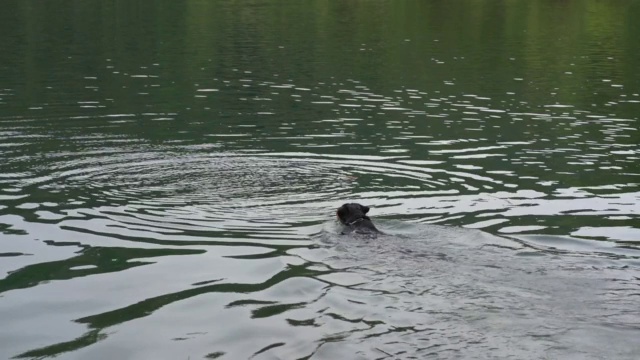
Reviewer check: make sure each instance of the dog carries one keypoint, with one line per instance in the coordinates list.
(353, 217)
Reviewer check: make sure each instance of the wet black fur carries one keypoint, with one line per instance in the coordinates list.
(353, 217)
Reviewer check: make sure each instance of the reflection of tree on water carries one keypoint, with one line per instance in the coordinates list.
(97, 260)
(99, 323)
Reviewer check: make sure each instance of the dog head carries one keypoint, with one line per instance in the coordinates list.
(351, 212)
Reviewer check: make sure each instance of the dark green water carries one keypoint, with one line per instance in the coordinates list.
(169, 174)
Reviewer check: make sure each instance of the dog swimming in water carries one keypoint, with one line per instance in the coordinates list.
(355, 220)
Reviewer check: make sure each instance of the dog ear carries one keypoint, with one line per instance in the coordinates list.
(365, 209)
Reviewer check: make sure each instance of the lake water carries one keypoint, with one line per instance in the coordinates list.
(169, 174)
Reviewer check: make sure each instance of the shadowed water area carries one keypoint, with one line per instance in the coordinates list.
(170, 170)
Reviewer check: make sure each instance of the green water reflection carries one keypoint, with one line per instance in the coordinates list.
(202, 126)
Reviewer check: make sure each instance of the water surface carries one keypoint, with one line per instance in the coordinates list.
(169, 174)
